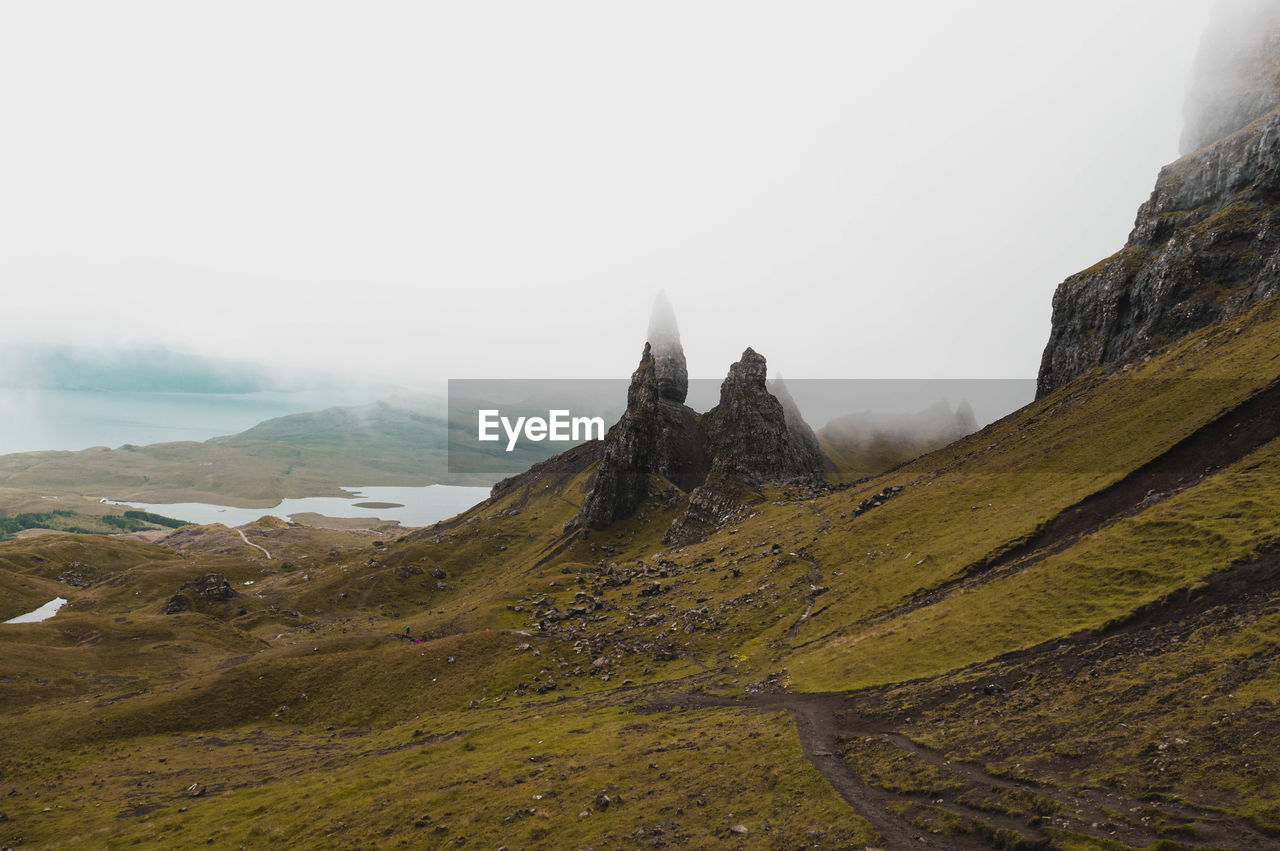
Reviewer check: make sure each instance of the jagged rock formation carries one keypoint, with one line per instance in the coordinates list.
(749, 430)
(1206, 244)
(622, 479)
(751, 438)
(725, 497)
(746, 439)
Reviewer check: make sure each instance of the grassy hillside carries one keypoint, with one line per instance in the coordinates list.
(1060, 631)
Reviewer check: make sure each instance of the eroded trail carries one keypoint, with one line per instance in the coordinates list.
(825, 725)
(810, 595)
(821, 750)
(816, 588)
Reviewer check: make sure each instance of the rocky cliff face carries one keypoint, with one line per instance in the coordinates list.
(1206, 244)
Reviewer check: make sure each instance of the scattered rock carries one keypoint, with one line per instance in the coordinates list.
(79, 578)
(211, 586)
(177, 603)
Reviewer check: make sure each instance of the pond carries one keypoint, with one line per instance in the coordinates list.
(411, 506)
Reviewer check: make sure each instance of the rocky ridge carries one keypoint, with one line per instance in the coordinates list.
(718, 458)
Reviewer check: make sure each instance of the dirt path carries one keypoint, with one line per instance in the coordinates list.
(824, 721)
(240, 532)
(821, 749)
(815, 575)
(810, 595)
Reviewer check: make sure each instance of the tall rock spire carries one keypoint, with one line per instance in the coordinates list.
(668, 354)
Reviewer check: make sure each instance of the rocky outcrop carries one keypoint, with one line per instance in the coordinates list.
(621, 480)
(1204, 246)
(748, 431)
(212, 587)
(724, 498)
(177, 604)
(751, 440)
(717, 458)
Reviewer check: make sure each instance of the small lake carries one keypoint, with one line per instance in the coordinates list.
(41, 614)
(415, 506)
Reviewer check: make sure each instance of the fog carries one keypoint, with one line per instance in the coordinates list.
(1221, 90)
(421, 191)
(664, 331)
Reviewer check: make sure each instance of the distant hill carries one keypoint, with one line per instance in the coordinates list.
(400, 441)
(405, 434)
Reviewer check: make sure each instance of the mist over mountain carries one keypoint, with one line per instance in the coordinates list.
(1236, 78)
(142, 369)
(870, 442)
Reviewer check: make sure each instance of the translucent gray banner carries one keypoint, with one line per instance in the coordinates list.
(503, 426)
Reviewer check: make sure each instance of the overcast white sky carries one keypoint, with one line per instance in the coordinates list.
(493, 189)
